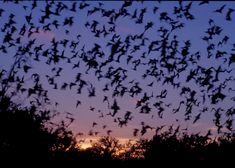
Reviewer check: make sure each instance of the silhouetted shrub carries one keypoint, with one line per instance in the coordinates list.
(181, 148)
(25, 134)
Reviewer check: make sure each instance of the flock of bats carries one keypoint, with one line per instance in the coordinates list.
(165, 60)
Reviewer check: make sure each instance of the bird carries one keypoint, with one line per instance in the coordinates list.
(74, 7)
(83, 5)
(94, 124)
(197, 118)
(229, 13)
(148, 26)
(204, 2)
(78, 103)
(115, 108)
(34, 4)
(220, 10)
(28, 18)
(92, 108)
(27, 68)
(109, 132)
(155, 9)
(104, 126)
(231, 59)
(135, 132)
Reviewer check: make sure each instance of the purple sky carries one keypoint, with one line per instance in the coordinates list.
(193, 30)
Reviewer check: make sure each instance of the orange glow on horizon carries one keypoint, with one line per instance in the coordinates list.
(87, 142)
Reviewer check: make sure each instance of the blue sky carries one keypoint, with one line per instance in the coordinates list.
(193, 30)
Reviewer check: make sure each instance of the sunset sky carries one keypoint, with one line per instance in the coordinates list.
(93, 109)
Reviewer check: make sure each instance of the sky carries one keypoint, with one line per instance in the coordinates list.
(93, 109)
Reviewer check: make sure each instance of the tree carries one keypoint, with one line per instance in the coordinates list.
(181, 148)
(25, 135)
(107, 148)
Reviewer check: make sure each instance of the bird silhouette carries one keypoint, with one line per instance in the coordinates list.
(115, 108)
(229, 13)
(78, 103)
(204, 2)
(220, 10)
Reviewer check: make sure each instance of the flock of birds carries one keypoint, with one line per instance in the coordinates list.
(165, 60)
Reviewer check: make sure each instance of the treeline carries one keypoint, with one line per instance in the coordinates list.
(29, 135)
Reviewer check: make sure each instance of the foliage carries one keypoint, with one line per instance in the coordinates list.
(25, 134)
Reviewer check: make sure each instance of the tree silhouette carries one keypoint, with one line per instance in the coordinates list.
(107, 147)
(182, 148)
(25, 134)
